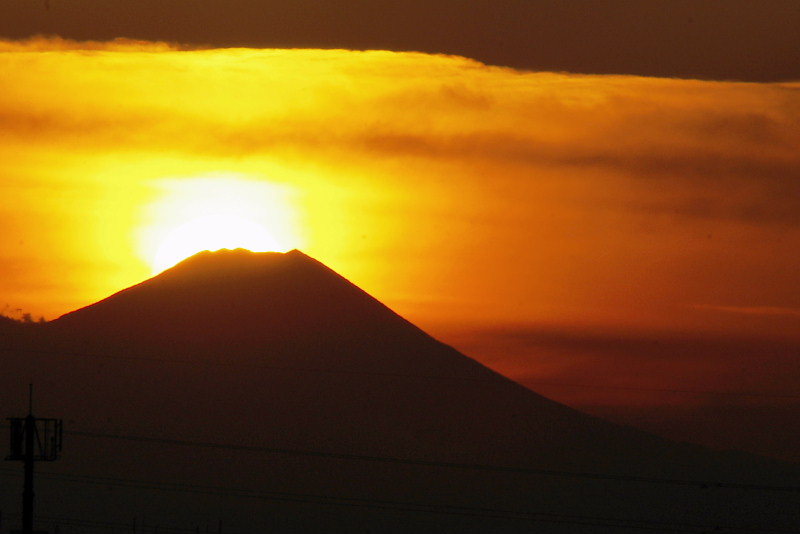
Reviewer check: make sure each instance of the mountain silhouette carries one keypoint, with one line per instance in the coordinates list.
(271, 373)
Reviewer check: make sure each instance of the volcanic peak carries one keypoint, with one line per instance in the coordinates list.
(235, 261)
(232, 293)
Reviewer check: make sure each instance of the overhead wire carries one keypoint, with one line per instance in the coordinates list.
(616, 477)
(703, 484)
(416, 507)
(387, 459)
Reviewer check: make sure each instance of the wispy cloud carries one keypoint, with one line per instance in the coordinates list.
(654, 364)
(54, 43)
(751, 310)
(612, 198)
(481, 194)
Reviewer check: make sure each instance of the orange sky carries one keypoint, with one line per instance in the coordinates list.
(441, 185)
(466, 197)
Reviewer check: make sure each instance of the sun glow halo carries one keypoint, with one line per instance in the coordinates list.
(221, 211)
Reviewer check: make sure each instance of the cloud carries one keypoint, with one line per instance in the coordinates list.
(610, 196)
(456, 192)
(681, 385)
(664, 361)
(699, 136)
(751, 310)
(54, 43)
(737, 40)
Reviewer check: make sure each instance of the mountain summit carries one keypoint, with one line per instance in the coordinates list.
(272, 373)
(222, 293)
(284, 307)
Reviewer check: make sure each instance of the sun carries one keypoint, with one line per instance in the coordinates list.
(212, 232)
(218, 211)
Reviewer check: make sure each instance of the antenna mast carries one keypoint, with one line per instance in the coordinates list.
(33, 440)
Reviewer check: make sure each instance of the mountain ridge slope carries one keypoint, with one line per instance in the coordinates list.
(277, 351)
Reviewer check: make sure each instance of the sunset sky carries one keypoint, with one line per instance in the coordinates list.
(630, 222)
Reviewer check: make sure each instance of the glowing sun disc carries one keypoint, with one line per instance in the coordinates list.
(212, 232)
(216, 212)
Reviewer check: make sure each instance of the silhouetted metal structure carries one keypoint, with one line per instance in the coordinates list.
(33, 439)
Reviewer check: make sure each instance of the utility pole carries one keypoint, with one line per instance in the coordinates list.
(33, 439)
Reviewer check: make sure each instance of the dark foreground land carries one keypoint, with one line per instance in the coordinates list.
(251, 392)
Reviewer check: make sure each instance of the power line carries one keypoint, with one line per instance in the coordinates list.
(702, 484)
(433, 463)
(387, 459)
(682, 391)
(401, 506)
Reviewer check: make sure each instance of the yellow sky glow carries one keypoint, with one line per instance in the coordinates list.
(585, 229)
(214, 212)
(452, 190)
